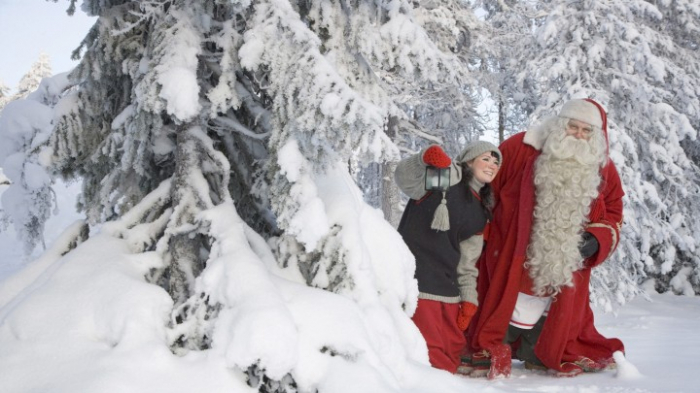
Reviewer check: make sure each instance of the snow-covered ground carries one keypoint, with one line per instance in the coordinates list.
(88, 322)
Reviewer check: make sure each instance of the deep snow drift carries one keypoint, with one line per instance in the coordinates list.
(88, 322)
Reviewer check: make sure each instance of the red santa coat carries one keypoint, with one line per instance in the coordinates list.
(568, 333)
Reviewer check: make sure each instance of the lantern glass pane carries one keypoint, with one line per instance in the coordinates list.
(437, 179)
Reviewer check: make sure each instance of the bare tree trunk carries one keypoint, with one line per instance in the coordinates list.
(389, 191)
(185, 265)
(501, 120)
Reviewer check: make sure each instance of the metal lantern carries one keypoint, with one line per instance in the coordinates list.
(437, 179)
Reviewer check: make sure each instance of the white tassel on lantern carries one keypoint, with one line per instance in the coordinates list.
(441, 219)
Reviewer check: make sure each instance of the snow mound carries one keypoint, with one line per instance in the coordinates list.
(625, 369)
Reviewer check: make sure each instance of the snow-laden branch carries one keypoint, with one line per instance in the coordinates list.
(235, 125)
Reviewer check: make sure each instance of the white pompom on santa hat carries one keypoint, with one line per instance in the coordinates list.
(582, 110)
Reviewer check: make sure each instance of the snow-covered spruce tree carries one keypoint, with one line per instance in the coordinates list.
(438, 110)
(499, 50)
(31, 80)
(448, 111)
(25, 127)
(620, 54)
(679, 41)
(215, 138)
(384, 56)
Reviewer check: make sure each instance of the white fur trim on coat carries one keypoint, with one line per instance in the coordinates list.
(537, 136)
(528, 310)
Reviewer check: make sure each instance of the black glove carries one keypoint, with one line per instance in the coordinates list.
(588, 246)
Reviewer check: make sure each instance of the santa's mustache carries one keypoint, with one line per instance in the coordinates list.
(568, 148)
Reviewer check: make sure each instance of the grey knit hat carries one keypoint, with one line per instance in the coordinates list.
(441, 218)
(477, 148)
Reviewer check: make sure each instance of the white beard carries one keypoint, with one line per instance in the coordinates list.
(566, 183)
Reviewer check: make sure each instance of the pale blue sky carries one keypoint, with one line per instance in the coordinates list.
(29, 27)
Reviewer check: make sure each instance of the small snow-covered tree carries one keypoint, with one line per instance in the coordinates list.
(621, 54)
(207, 132)
(30, 81)
(25, 127)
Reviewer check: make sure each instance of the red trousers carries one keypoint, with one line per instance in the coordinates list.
(437, 322)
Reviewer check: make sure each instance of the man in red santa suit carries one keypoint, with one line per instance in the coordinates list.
(558, 214)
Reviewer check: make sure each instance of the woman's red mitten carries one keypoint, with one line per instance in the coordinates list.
(435, 156)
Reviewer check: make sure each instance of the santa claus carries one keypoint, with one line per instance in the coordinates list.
(558, 215)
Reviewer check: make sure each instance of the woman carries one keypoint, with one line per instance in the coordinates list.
(445, 233)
